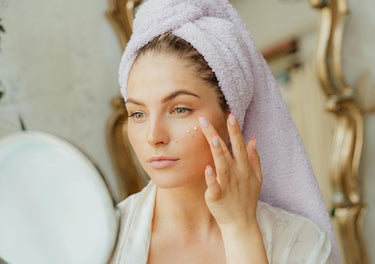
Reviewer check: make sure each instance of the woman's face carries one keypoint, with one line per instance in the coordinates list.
(164, 101)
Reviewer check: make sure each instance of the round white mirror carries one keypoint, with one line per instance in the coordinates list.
(54, 203)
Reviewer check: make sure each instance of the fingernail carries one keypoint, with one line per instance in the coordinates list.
(255, 142)
(209, 175)
(232, 119)
(209, 170)
(215, 140)
(203, 121)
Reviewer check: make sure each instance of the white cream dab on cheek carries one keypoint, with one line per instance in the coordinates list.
(195, 128)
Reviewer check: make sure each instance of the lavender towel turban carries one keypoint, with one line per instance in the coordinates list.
(216, 30)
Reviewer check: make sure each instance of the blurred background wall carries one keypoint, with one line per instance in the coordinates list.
(58, 70)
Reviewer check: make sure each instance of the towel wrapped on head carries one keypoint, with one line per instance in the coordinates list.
(216, 30)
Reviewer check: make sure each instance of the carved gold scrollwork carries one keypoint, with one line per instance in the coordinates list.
(352, 237)
(121, 14)
(347, 203)
(347, 147)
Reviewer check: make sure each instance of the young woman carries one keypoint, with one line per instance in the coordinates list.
(202, 203)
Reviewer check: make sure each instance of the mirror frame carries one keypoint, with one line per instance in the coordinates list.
(348, 208)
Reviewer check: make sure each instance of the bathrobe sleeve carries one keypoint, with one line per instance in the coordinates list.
(136, 213)
(290, 238)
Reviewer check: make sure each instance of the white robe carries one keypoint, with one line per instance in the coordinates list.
(287, 238)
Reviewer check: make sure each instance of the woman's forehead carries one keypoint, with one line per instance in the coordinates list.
(160, 75)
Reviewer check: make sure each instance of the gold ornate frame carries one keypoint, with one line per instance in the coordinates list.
(348, 207)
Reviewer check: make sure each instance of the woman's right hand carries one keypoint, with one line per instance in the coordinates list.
(233, 187)
(232, 194)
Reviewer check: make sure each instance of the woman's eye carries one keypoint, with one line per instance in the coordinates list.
(136, 115)
(181, 110)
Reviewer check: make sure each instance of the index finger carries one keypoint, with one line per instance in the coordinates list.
(220, 152)
(236, 138)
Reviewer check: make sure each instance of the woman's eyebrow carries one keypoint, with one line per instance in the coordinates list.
(177, 93)
(129, 100)
(165, 99)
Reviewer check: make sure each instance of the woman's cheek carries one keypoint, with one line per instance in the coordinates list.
(185, 133)
(136, 139)
(190, 140)
(131, 134)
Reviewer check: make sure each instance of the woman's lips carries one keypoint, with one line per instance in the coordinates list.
(162, 163)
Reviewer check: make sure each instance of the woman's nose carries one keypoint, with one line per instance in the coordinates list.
(157, 133)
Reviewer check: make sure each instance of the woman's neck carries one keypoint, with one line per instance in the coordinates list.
(184, 208)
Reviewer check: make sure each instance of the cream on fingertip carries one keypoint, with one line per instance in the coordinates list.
(209, 170)
(232, 119)
(215, 140)
(203, 121)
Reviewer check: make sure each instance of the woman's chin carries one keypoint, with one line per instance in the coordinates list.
(165, 181)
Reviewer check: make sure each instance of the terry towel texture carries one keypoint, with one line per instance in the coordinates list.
(216, 30)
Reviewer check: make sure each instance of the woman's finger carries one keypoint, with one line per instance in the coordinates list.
(213, 192)
(208, 130)
(254, 159)
(237, 141)
(220, 152)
